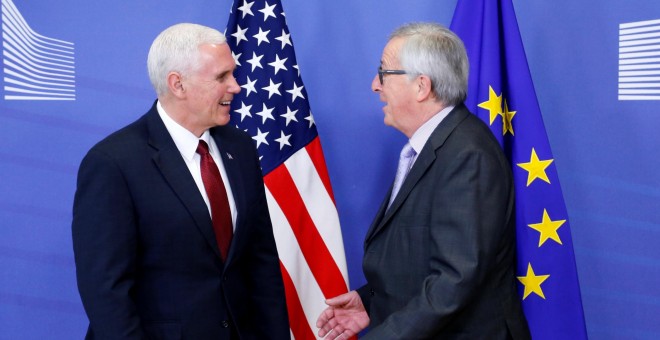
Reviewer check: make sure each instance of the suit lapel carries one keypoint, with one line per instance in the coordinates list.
(425, 159)
(169, 161)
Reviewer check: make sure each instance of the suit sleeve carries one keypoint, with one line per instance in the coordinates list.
(105, 248)
(467, 229)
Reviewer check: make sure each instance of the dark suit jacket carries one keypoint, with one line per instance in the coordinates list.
(148, 265)
(440, 262)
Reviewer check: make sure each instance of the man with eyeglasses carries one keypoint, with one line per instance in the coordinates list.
(439, 256)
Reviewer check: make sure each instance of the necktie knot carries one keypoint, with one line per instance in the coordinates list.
(407, 151)
(202, 148)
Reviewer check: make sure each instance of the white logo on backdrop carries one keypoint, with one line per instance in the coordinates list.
(639, 60)
(36, 67)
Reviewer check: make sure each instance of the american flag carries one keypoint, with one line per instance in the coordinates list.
(272, 107)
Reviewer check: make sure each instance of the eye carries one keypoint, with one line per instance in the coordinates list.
(223, 76)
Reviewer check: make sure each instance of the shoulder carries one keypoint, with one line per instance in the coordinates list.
(124, 142)
(231, 133)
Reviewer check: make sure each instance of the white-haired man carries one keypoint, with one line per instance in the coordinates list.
(171, 231)
(439, 256)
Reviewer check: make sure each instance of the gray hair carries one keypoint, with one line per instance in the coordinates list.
(435, 51)
(177, 49)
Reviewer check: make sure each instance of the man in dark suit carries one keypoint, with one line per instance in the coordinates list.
(439, 256)
(155, 256)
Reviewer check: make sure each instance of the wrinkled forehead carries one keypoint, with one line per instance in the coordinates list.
(390, 57)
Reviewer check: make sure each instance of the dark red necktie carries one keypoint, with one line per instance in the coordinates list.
(217, 194)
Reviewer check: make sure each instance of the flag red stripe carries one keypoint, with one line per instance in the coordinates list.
(297, 321)
(320, 261)
(315, 152)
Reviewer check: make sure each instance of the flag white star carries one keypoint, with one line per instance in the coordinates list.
(272, 89)
(283, 140)
(278, 64)
(246, 8)
(296, 92)
(289, 115)
(249, 86)
(310, 118)
(236, 56)
(255, 61)
(244, 111)
(239, 34)
(261, 137)
(266, 114)
(297, 68)
(268, 11)
(285, 39)
(261, 36)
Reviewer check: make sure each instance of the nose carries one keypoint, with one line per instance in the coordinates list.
(234, 87)
(375, 84)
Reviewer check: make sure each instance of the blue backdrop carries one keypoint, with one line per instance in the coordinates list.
(604, 148)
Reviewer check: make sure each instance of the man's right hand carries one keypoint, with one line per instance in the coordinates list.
(344, 317)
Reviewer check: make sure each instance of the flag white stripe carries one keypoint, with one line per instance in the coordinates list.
(319, 204)
(309, 293)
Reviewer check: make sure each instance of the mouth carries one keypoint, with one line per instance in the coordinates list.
(225, 103)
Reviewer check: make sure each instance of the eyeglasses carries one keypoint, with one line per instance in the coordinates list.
(381, 72)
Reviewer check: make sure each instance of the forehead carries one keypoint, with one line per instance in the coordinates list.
(217, 56)
(391, 52)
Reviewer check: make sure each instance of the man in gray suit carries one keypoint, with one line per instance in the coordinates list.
(439, 256)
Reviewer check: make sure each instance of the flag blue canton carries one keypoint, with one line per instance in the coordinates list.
(272, 105)
(501, 93)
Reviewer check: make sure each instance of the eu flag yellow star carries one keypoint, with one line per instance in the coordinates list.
(507, 117)
(493, 104)
(547, 228)
(536, 168)
(532, 282)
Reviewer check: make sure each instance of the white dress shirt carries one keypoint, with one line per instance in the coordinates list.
(422, 135)
(187, 143)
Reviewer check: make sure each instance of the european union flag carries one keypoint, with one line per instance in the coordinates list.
(501, 93)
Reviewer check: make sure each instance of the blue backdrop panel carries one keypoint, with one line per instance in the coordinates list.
(604, 148)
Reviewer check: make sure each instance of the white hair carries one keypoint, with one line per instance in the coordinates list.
(176, 49)
(435, 51)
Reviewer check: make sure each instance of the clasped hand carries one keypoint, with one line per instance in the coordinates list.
(344, 317)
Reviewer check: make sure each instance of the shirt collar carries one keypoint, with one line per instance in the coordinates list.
(185, 140)
(422, 135)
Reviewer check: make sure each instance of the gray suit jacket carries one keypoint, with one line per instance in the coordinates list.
(440, 261)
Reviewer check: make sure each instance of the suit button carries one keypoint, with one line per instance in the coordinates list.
(224, 278)
(225, 323)
(372, 292)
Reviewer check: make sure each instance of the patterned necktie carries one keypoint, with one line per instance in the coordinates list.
(405, 163)
(217, 194)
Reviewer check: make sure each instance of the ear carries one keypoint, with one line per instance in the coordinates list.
(424, 88)
(175, 84)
